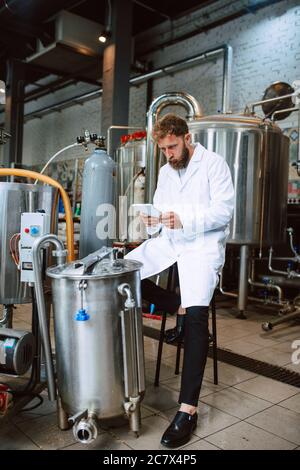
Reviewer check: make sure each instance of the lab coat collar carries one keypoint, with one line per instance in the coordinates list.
(193, 166)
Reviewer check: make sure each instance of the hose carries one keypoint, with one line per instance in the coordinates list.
(56, 155)
(64, 196)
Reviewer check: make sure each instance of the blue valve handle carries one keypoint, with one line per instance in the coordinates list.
(82, 315)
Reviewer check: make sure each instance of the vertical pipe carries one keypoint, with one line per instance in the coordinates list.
(243, 280)
(227, 73)
(194, 111)
(45, 335)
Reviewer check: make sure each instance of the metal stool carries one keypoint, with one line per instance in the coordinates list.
(213, 342)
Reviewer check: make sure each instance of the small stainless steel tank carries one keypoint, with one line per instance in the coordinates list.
(16, 198)
(97, 221)
(131, 160)
(99, 341)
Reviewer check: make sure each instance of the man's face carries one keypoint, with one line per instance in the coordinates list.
(175, 150)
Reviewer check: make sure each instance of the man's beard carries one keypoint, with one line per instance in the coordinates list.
(183, 161)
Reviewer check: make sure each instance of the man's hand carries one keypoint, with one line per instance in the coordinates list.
(171, 220)
(149, 221)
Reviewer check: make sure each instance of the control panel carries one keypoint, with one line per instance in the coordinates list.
(33, 226)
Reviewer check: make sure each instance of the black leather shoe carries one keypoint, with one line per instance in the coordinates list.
(176, 335)
(180, 430)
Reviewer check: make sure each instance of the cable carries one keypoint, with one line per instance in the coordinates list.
(55, 155)
(14, 248)
(131, 182)
(30, 408)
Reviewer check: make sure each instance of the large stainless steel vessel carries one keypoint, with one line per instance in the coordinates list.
(99, 341)
(257, 154)
(16, 198)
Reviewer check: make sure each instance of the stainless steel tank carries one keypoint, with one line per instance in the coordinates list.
(131, 161)
(97, 220)
(16, 198)
(99, 341)
(257, 154)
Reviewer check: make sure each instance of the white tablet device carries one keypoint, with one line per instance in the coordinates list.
(147, 209)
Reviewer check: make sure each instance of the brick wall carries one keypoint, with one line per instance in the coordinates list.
(266, 48)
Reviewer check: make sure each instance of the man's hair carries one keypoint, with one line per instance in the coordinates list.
(170, 124)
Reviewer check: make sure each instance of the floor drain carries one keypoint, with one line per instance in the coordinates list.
(281, 374)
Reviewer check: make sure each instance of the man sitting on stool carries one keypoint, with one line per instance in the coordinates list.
(195, 196)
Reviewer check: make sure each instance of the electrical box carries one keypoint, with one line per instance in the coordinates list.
(33, 226)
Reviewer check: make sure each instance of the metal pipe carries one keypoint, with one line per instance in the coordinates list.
(86, 430)
(264, 176)
(268, 286)
(290, 232)
(270, 100)
(243, 279)
(194, 111)
(253, 299)
(45, 336)
(227, 73)
(168, 69)
(280, 111)
(108, 140)
(290, 274)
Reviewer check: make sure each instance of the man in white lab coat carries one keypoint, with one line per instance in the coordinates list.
(195, 196)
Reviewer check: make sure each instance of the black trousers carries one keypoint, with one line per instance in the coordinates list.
(163, 299)
(195, 354)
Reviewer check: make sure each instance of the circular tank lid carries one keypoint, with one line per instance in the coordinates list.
(99, 270)
(233, 120)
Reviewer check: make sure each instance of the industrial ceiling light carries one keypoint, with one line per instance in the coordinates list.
(106, 33)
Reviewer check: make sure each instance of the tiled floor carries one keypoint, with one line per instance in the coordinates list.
(244, 411)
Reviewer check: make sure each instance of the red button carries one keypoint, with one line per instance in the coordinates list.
(26, 230)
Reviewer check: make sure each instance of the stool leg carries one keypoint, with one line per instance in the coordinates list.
(177, 359)
(214, 330)
(160, 347)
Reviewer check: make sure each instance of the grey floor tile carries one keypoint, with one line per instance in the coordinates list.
(241, 346)
(263, 339)
(293, 367)
(292, 403)
(285, 346)
(210, 420)
(206, 389)
(160, 398)
(272, 356)
(166, 370)
(150, 436)
(11, 438)
(202, 444)
(151, 347)
(236, 402)
(104, 441)
(229, 375)
(267, 389)
(244, 436)
(44, 432)
(280, 421)
(147, 411)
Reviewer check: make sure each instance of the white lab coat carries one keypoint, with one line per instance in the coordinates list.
(203, 199)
